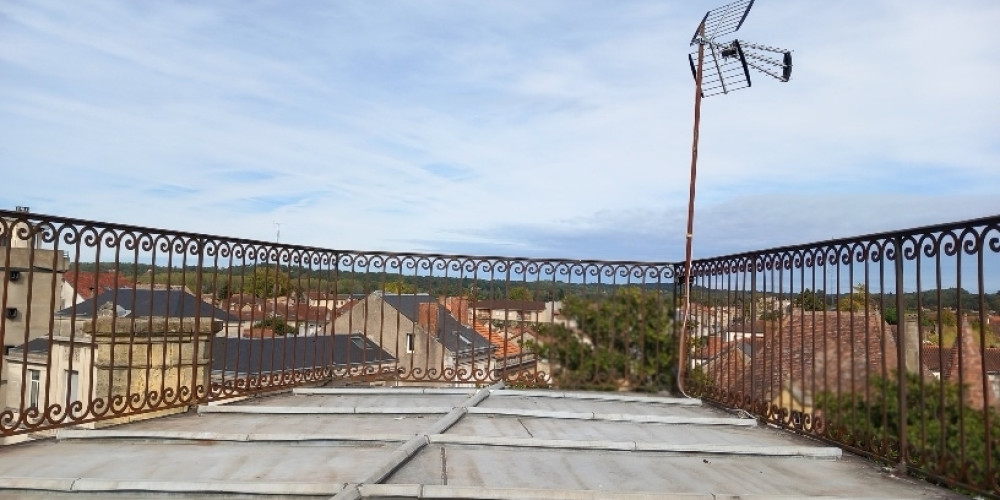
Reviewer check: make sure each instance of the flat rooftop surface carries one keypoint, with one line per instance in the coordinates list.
(492, 443)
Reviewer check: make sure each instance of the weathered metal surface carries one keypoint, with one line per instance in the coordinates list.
(253, 454)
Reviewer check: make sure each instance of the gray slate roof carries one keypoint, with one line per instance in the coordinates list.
(264, 355)
(142, 303)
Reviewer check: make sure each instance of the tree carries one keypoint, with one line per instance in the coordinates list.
(519, 293)
(938, 423)
(624, 340)
(809, 300)
(222, 293)
(774, 315)
(400, 287)
(857, 301)
(278, 325)
(891, 315)
(267, 282)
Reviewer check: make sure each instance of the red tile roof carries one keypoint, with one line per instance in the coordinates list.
(507, 345)
(729, 370)
(87, 284)
(509, 305)
(824, 351)
(712, 347)
(932, 358)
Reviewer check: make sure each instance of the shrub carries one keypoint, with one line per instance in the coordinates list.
(945, 437)
(278, 325)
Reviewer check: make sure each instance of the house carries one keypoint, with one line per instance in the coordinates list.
(727, 365)
(810, 353)
(139, 303)
(708, 320)
(304, 319)
(752, 329)
(330, 301)
(509, 339)
(520, 311)
(421, 334)
(146, 302)
(939, 360)
(47, 382)
(31, 278)
(79, 286)
(64, 370)
(242, 302)
(320, 299)
(708, 348)
(968, 365)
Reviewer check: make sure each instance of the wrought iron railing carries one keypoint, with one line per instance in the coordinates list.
(109, 322)
(886, 344)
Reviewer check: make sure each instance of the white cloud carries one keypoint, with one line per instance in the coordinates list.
(544, 128)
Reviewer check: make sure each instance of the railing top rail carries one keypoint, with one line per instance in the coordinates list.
(9, 214)
(936, 228)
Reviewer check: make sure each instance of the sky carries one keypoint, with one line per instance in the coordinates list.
(544, 128)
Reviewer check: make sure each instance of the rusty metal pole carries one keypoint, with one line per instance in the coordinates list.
(689, 235)
(902, 370)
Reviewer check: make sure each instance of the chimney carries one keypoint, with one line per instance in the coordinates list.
(427, 317)
(459, 308)
(911, 338)
(972, 372)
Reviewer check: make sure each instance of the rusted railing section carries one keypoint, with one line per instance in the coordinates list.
(887, 344)
(107, 323)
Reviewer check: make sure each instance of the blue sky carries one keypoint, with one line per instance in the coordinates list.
(542, 128)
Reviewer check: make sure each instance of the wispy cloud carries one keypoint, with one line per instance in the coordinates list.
(536, 128)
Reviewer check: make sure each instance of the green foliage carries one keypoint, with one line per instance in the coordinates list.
(223, 293)
(774, 315)
(267, 282)
(891, 315)
(622, 341)
(948, 318)
(858, 301)
(278, 325)
(307, 279)
(810, 300)
(948, 298)
(400, 286)
(938, 425)
(519, 293)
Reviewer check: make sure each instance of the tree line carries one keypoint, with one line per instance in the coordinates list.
(271, 281)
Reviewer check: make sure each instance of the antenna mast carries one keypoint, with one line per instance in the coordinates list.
(720, 68)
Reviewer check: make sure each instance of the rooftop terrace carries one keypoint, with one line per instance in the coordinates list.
(446, 443)
(844, 369)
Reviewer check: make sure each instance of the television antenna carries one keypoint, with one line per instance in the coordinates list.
(720, 68)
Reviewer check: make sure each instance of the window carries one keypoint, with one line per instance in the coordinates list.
(34, 387)
(409, 342)
(358, 342)
(72, 380)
